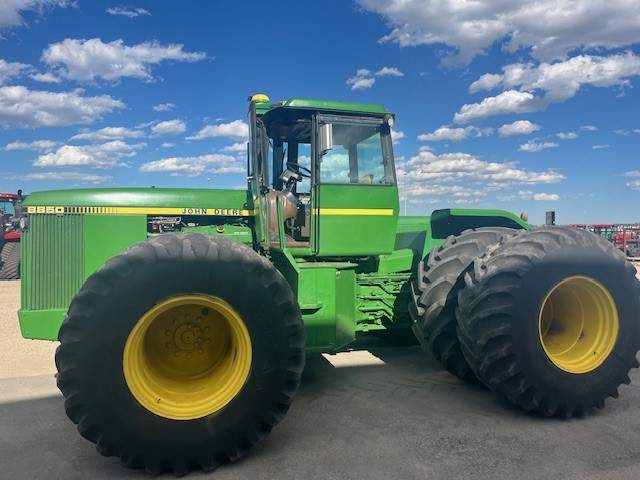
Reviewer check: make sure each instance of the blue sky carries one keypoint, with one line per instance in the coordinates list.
(516, 105)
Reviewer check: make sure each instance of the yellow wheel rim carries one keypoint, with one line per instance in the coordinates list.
(187, 357)
(578, 324)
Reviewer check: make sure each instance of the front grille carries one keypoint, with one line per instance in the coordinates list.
(52, 261)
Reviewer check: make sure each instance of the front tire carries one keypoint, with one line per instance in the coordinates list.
(182, 352)
(549, 320)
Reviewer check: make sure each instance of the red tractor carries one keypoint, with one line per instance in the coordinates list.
(628, 241)
(10, 226)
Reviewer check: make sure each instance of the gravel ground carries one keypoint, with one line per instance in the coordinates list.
(20, 357)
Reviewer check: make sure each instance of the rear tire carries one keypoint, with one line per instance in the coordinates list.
(10, 257)
(549, 320)
(435, 295)
(182, 352)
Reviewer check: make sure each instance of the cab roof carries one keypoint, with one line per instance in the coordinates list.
(325, 106)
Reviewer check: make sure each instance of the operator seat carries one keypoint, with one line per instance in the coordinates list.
(289, 209)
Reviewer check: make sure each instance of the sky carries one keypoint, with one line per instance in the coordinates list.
(503, 104)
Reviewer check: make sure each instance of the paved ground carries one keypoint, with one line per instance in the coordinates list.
(380, 413)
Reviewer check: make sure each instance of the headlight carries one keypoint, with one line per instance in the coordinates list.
(24, 223)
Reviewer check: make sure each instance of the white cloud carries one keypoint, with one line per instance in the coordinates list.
(389, 72)
(444, 133)
(635, 183)
(528, 196)
(598, 147)
(192, 166)
(38, 145)
(365, 78)
(9, 70)
(168, 145)
(567, 135)
(557, 81)
(108, 133)
(10, 10)
(449, 191)
(548, 30)
(562, 80)
(532, 146)
(488, 81)
(66, 176)
(128, 12)
(546, 197)
(360, 82)
(520, 127)
(589, 128)
(105, 155)
(164, 107)
(44, 77)
(236, 147)
(87, 60)
(236, 130)
(168, 127)
(23, 108)
(396, 136)
(455, 134)
(455, 167)
(511, 101)
(460, 178)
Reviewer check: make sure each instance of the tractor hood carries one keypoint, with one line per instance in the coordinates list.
(191, 201)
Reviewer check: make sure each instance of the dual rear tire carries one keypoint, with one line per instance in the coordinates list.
(549, 319)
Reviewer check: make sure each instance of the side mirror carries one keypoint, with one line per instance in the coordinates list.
(326, 138)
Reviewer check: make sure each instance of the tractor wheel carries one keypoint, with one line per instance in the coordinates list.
(549, 320)
(435, 295)
(10, 257)
(182, 352)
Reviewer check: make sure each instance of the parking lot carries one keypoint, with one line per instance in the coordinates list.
(372, 412)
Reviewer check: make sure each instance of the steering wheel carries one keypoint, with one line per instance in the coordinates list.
(296, 167)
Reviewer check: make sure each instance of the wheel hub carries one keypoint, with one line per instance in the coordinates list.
(578, 324)
(187, 357)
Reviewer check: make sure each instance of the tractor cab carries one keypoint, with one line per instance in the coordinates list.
(9, 211)
(323, 178)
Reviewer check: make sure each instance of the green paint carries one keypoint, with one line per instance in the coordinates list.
(326, 106)
(142, 197)
(99, 247)
(348, 255)
(397, 261)
(237, 233)
(41, 324)
(326, 294)
(369, 230)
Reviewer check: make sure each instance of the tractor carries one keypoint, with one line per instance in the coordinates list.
(184, 315)
(10, 221)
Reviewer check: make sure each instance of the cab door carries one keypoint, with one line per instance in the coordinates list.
(355, 197)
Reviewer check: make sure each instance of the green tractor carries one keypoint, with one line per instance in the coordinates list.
(183, 330)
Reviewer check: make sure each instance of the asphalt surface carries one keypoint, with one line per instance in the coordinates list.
(374, 412)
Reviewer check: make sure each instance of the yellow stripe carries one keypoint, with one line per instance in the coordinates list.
(226, 212)
(355, 211)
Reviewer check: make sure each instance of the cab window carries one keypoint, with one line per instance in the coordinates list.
(361, 153)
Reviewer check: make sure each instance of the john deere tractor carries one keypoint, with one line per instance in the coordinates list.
(184, 315)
